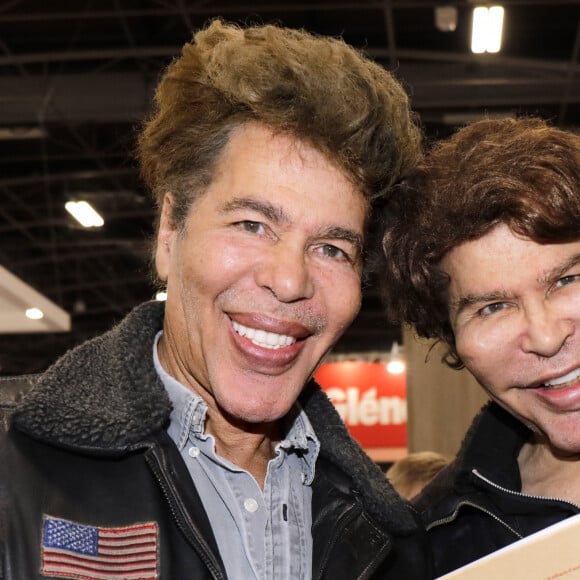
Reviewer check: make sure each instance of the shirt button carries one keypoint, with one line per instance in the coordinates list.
(251, 505)
(193, 451)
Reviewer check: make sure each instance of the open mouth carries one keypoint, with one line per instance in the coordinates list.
(564, 381)
(263, 338)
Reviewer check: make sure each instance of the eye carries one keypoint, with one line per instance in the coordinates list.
(492, 308)
(335, 253)
(332, 251)
(251, 226)
(566, 280)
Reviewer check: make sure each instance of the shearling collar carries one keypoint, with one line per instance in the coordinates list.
(337, 446)
(104, 396)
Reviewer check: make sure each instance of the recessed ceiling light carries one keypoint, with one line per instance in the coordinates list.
(34, 313)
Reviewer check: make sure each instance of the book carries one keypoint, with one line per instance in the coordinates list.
(550, 554)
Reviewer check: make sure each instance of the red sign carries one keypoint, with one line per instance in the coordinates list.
(371, 401)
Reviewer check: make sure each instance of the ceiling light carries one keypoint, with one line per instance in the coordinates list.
(34, 313)
(446, 18)
(25, 310)
(84, 213)
(487, 29)
(22, 133)
(396, 364)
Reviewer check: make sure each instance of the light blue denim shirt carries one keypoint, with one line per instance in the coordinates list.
(266, 534)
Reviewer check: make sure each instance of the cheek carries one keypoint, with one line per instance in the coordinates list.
(479, 349)
(210, 268)
(570, 306)
(344, 301)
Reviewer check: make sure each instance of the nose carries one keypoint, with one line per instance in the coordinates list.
(546, 331)
(285, 272)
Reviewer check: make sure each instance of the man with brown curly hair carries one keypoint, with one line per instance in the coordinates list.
(190, 441)
(484, 255)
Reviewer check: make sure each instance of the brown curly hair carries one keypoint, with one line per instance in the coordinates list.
(318, 89)
(520, 172)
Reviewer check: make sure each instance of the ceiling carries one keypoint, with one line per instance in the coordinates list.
(76, 78)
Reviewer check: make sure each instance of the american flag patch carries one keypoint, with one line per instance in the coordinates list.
(71, 550)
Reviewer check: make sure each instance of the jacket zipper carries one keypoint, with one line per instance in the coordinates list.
(451, 517)
(188, 531)
(518, 493)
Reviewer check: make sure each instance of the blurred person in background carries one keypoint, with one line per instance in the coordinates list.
(190, 441)
(410, 474)
(484, 256)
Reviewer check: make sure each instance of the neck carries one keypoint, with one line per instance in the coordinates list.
(249, 446)
(547, 473)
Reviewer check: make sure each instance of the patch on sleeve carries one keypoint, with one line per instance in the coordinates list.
(72, 550)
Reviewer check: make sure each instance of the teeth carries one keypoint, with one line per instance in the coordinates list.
(570, 377)
(263, 338)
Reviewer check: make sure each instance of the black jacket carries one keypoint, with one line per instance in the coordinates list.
(88, 445)
(474, 506)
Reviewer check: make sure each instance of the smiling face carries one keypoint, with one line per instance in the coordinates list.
(515, 313)
(264, 277)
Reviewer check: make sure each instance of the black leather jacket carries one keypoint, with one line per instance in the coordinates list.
(87, 445)
(474, 506)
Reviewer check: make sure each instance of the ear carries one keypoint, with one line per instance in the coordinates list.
(165, 237)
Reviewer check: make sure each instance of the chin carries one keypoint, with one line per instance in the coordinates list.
(260, 413)
(565, 448)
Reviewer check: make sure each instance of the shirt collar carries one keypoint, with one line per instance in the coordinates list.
(189, 411)
(302, 438)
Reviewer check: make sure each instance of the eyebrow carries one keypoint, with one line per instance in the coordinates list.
(278, 215)
(560, 270)
(268, 210)
(338, 233)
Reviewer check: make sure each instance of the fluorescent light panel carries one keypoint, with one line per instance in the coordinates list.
(84, 213)
(22, 133)
(487, 29)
